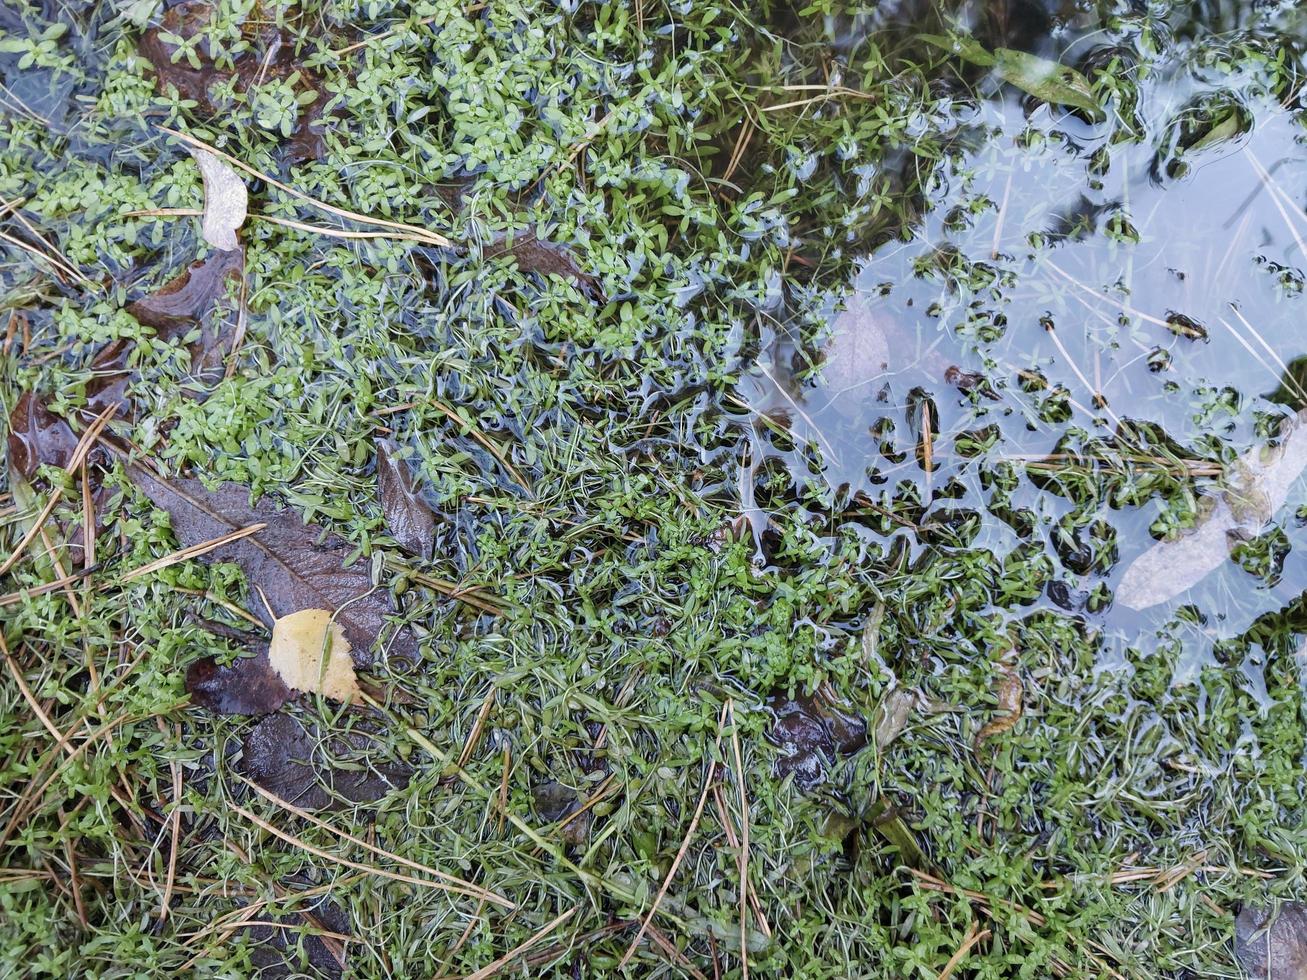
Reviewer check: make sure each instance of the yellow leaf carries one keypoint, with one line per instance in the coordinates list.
(310, 653)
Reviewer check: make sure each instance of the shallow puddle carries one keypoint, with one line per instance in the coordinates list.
(1067, 306)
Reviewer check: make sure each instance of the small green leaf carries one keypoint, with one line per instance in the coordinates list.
(1231, 127)
(1044, 79)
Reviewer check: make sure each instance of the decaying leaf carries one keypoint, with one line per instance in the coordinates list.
(859, 348)
(408, 518)
(314, 772)
(189, 298)
(310, 653)
(1010, 694)
(540, 258)
(1045, 80)
(892, 716)
(276, 946)
(37, 436)
(296, 565)
(225, 200)
(248, 686)
(1258, 487)
(179, 52)
(555, 802)
(809, 731)
(173, 68)
(1272, 945)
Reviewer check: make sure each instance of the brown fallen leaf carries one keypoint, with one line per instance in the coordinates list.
(1272, 945)
(1258, 486)
(296, 565)
(189, 300)
(309, 653)
(226, 201)
(248, 686)
(188, 22)
(305, 768)
(273, 57)
(190, 297)
(809, 730)
(541, 258)
(1010, 694)
(278, 946)
(408, 518)
(37, 436)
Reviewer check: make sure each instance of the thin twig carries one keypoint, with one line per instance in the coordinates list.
(478, 726)
(490, 969)
(1288, 375)
(284, 222)
(32, 230)
(479, 892)
(194, 551)
(1273, 186)
(88, 520)
(480, 437)
(453, 590)
(176, 830)
(741, 147)
(430, 237)
(60, 269)
(80, 453)
(469, 890)
(974, 935)
(238, 336)
(679, 958)
(685, 846)
(16, 597)
(828, 92)
(744, 841)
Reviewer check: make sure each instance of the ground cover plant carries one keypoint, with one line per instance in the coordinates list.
(693, 489)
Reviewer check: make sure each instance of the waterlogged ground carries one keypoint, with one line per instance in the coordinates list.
(831, 449)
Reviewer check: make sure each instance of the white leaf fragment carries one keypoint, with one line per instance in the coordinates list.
(310, 653)
(1259, 486)
(859, 349)
(226, 201)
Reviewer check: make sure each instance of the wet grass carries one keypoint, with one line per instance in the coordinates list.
(589, 451)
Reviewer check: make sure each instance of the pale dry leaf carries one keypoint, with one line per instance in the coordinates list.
(226, 201)
(299, 643)
(1260, 482)
(892, 715)
(1171, 567)
(859, 348)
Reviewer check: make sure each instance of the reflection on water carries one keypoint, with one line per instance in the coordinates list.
(1069, 295)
